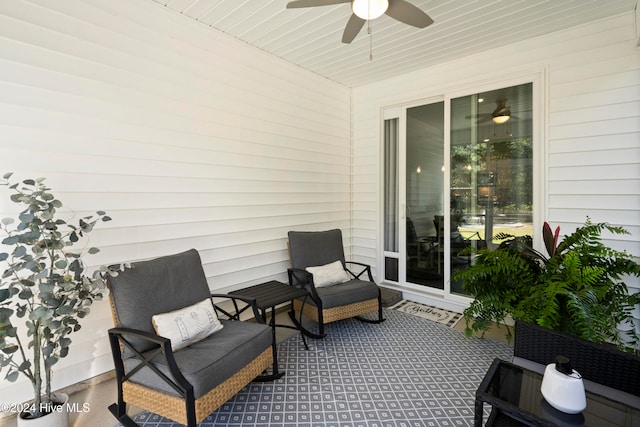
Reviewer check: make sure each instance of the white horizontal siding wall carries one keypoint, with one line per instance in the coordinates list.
(591, 139)
(186, 137)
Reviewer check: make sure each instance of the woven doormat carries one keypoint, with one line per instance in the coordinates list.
(428, 312)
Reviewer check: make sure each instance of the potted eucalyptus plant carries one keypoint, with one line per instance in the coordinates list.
(45, 290)
(577, 288)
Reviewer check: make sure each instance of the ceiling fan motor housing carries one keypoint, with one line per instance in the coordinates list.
(369, 9)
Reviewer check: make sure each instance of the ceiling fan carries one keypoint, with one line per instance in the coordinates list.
(501, 114)
(367, 10)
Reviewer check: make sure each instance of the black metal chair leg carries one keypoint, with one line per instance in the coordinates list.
(305, 331)
(191, 410)
(363, 319)
(380, 316)
(122, 418)
(321, 321)
(274, 349)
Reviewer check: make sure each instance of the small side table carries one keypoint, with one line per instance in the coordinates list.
(267, 296)
(513, 392)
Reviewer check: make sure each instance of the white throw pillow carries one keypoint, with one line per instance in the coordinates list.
(187, 325)
(328, 274)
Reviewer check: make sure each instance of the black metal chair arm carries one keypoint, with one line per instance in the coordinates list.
(461, 238)
(237, 309)
(300, 278)
(148, 336)
(118, 337)
(366, 269)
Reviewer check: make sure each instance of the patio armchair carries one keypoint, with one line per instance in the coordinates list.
(338, 289)
(417, 246)
(458, 242)
(176, 352)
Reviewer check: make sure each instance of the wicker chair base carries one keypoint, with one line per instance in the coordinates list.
(173, 407)
(337, 313)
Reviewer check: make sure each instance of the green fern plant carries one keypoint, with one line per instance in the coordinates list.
(578, 288)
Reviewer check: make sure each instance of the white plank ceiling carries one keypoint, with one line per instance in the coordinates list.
(311, 37)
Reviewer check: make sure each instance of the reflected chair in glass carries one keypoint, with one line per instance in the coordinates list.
(420, 250)
(414, 246)
(458, 241)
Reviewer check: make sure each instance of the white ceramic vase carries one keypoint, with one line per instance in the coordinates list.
(565, 392)
(55, 418)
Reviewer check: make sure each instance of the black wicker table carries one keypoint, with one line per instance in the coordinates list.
(513, 393)
(268, 295)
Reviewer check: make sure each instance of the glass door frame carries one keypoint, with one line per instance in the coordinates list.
(398, 114)
(539, 84)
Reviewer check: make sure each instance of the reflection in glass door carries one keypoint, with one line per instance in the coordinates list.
(491, 181)
(424, 177)
(455, 185)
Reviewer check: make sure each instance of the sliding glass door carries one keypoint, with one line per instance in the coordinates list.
(458, 174)
(424, 178)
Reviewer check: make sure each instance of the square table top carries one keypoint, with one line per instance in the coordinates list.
(270, 294)
(515, 390)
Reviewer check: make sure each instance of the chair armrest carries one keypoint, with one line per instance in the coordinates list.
(237, 309)
(475, 234)
(366, 269)
(147, 336)
(118, 339)
(300, 278)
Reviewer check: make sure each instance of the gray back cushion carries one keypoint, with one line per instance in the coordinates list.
(157, 286)
(313, 248)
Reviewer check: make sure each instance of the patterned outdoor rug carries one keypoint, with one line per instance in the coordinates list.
(428, 312)
(406, 371)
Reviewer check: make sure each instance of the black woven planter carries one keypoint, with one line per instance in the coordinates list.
(599, 363)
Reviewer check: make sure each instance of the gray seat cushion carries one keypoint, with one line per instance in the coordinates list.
(209, 362)
(346, 293)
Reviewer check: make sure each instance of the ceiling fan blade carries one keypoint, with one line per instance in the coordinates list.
(352, 29)
(479, 116)
(407, 13)
(314, 3)
(501, 107)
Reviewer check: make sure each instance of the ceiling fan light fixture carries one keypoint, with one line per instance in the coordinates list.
(501, 119)
(369, 9)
